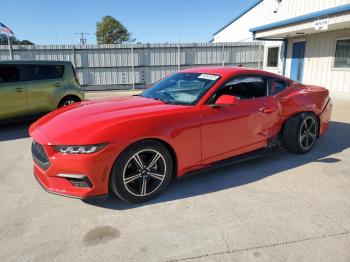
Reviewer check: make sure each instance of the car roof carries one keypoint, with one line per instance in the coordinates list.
(230, 71)
(32, 62)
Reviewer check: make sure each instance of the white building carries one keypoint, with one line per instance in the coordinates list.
(306, 40)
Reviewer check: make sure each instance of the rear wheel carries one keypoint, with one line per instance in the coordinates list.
(142, 172)
(68, 101)
(300, 133)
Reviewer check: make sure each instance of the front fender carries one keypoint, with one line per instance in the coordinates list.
(180, 131)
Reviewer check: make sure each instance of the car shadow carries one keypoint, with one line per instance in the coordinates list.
(334, 141)
(15, 130)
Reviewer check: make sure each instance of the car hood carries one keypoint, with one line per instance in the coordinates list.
(81, 122)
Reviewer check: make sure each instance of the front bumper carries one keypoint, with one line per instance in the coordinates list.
(50, 187)
(79, 176)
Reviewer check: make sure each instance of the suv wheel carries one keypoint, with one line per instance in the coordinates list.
(68, 101)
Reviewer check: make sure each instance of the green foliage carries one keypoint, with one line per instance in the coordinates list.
(111, 31)
(13, 40)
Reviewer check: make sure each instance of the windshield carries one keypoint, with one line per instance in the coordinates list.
(181, 88)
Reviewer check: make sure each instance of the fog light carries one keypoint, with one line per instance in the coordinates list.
(77, 180)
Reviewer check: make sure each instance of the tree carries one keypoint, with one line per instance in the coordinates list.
(13, 40)
(111, 31)
(26, 42)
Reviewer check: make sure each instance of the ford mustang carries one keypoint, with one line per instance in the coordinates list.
(191, 120)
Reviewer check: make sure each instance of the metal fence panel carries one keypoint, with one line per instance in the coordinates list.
(128, 65)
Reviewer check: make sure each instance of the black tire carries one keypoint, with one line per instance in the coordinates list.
(68, 100)
(127, 178)
(296, 136)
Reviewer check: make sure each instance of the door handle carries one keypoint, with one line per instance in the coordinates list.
(267, 110)
(19, 89)
(214, 106)
(57, 84)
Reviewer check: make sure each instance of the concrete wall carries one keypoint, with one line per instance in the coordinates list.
(122, 66)
(319, 60)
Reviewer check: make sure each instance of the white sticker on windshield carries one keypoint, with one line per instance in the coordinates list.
(208, 77)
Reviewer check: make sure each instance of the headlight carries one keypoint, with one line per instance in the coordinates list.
(85, 149)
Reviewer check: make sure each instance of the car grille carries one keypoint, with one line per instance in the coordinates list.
(39, 155)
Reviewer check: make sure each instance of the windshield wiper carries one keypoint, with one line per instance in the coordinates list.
(161, 99)
(165, 101)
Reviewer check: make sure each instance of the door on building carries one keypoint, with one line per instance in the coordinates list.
(297, 67)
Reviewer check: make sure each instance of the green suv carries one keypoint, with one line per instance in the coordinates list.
(29, 88)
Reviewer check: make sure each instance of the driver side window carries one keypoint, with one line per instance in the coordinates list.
(244, 87)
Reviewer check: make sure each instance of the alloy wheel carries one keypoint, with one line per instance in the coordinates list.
(308, 133)
(144, 172)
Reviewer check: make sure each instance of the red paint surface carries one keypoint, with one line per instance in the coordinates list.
(199, 135)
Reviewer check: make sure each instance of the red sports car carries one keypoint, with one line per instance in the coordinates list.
(193, 119)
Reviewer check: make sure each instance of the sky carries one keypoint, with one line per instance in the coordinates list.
(150, 21)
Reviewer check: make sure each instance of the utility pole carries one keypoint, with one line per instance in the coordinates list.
(82, 38)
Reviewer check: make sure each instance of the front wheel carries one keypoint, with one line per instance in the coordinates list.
(300, 133)
(142, 172)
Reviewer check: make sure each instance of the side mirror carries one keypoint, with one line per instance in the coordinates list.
(226, 100)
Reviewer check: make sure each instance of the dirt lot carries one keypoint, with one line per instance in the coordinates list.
(278, 208)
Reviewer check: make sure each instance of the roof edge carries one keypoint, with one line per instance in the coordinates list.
(238, 16)
(301, 18)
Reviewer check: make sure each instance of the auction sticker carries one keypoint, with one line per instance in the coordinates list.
(208, 77)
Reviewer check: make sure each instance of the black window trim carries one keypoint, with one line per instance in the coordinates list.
(209, 100)
(268, 78)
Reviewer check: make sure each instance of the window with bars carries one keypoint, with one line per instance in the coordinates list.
(272, 57)
(342, 54)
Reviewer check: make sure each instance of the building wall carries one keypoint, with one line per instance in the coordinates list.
(319, 59)
(263, 14)
(320, 47)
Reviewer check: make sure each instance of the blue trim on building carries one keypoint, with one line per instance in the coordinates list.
(302, 18)
(239, 16)
(285, 51)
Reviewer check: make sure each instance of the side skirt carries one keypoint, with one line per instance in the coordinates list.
(235, 160)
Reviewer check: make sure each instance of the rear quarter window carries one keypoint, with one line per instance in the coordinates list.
(42, 72)
(277, 86)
